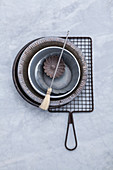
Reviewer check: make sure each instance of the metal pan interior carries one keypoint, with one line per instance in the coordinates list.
(62, 86)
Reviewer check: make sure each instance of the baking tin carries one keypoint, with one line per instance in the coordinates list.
(26, 58)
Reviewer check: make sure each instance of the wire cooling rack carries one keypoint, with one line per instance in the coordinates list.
(83, 102)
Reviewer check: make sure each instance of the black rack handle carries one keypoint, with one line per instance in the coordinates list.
(70, 121)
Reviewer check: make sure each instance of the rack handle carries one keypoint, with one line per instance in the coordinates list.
(70, 121)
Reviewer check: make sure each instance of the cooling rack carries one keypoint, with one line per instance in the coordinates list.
(84, 102)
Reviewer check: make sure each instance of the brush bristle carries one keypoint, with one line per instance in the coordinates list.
(45, 103)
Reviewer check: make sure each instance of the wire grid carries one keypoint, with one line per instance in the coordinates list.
(83, 102)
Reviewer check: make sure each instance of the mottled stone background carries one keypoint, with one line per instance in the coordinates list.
(31, 139)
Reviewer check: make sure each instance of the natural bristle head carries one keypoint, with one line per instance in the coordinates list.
(45, 103)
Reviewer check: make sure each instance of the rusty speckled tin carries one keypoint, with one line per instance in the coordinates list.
(31, 50)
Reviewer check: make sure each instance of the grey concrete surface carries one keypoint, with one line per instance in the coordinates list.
(31, 139)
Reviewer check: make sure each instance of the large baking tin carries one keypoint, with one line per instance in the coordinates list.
(31, 50)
